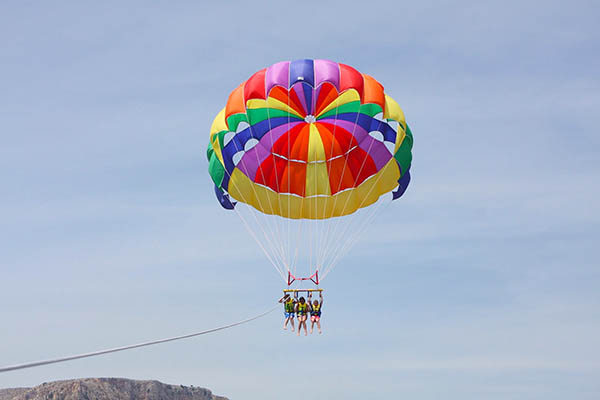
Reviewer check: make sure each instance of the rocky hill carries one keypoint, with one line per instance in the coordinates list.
(9, 394)
(108, 389)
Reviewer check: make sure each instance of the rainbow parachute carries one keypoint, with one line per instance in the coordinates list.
(309, 139)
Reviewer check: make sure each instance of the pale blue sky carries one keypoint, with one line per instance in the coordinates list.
(481, 282)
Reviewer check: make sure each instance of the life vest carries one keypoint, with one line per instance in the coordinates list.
(289, 306)
(316, 310)
(302, 308)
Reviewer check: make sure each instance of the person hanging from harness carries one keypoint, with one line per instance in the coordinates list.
(302, 309)
(289, 305)
(315, 312)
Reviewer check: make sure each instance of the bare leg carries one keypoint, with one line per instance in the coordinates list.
(301, 322)
(292, 321)
(285, 323)
(319, 325)
(312, 325)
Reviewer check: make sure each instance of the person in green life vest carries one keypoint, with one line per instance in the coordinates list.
(289, 305)
(302, 314)
(315, 312)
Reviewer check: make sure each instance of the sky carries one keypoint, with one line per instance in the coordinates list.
(482, 281)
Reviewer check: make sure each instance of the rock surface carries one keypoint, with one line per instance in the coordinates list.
(9, 394)
(108, 389)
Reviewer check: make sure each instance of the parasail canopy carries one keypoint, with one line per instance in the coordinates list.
(308, 140)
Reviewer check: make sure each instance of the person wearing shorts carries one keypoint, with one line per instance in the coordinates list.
(302, 314)
(288, 310)
(315, 312)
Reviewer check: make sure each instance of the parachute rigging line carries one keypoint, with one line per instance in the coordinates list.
(133, 346)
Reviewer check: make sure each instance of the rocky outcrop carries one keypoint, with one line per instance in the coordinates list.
(108, 389)
(9, 394)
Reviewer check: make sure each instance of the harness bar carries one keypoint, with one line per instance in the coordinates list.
(314, 278)
(285, 291)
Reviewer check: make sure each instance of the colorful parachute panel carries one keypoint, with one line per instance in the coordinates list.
(309, 139)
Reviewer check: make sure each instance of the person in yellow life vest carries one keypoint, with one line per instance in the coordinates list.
(302, 314)
(315, 312)
(289, 306)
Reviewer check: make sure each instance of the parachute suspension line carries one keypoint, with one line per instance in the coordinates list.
(315, 223)
(277, 268)
(364, 228)
(343, 224)
(358, 233)
(276, 233)
(344, 239)
(257, 219)
(353, 232)
(327, 237)
(331, 239)
(320, 242)
(356, 224)
(341, 251)
(276, 244)
(280, 234)
(289, 197)
(268, 233)
(301, 238)
(262, 225)
(327, 234)
(276, 229)
(310, 235)
(265, 229)
(310, 266)
(314, 264)
(361, 229)
(271, 237)
(331, 242)
(352, 229)
(340, 220)
(132, 346)
(260, 221)
(297, 245)
(337, 222)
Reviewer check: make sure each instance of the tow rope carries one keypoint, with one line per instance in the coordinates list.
(133, 346)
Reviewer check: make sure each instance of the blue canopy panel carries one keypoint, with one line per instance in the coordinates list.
(224, 199)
